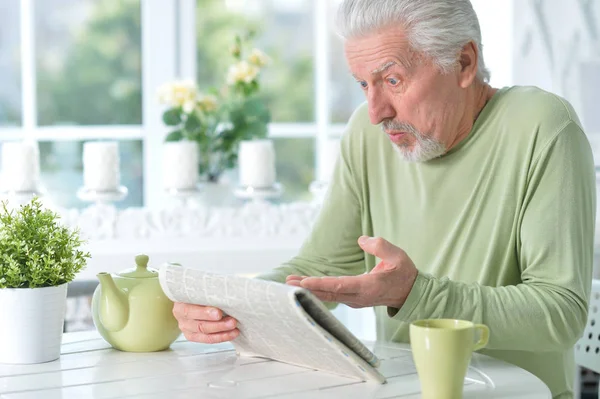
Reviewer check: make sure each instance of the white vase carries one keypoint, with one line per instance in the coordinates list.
(31, 324)
(218, 193)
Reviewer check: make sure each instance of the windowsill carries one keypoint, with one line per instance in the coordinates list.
(249, 238)
(260, 218)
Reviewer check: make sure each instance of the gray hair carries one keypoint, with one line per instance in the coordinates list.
(436, 28)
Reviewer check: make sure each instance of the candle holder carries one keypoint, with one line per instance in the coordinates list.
(102, 197)
(259, 194)
(184, 195)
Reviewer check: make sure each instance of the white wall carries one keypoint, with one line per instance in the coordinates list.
(556, 47)
(496, 22)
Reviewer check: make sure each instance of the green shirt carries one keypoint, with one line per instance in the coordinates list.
(501, 228)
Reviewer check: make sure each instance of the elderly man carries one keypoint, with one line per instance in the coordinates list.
(484, 198)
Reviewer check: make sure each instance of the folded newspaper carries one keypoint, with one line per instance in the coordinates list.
(276, 321)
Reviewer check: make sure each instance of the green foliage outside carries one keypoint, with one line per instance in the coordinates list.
(9, 115)
(99, 82)
(35, 249)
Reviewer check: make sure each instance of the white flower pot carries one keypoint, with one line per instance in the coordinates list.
(31, 324)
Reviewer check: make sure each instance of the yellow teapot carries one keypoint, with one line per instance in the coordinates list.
(131, 311)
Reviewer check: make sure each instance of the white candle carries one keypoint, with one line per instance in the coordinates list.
(331, 154)
(180, 165)
(256, 160)
(20, 166)
(101, 166)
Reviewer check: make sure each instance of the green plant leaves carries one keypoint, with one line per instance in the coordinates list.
(172, 117)
(176, 135)
(192, 123)
(240, 114)
(36, 250)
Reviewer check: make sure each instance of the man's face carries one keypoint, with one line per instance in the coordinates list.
(418, 107)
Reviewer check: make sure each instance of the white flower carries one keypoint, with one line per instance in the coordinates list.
(189, 106)
(243, 71)
(178, 93)
(258, 58)
(207, 102)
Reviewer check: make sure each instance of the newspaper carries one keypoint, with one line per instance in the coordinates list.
(276, 321)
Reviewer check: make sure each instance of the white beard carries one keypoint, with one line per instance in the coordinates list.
(424, 149)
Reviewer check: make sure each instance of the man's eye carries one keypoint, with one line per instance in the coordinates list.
(363, 84)
(393, 81)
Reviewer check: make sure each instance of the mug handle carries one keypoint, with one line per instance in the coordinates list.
(484, 335)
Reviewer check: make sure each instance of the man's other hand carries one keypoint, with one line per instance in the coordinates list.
(388, 284)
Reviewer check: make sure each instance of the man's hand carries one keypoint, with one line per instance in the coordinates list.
(204, 324)
(388, 284)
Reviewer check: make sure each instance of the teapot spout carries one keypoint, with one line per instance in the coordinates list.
(114, 304)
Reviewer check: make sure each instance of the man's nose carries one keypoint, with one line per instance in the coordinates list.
(380, 108)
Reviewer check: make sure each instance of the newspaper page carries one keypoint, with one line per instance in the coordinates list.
(274, 322)
(331, 324)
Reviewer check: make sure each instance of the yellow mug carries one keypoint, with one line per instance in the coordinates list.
(441, 350)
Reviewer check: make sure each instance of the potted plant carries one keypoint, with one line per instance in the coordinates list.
(38, 257)
(219, 118)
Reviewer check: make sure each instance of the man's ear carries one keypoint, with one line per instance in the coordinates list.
(468, 64)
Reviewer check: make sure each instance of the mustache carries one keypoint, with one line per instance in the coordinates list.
(400, 126)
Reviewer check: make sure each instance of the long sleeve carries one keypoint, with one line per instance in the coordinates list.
(331, 248)
(548, 310)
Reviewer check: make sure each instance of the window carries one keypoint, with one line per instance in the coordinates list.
(10, 64)
(88, 62)
(80, 63)
(79, 70)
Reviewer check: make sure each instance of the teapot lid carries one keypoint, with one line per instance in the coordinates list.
(141, 270)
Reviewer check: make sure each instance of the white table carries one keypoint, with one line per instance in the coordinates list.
(89, 368)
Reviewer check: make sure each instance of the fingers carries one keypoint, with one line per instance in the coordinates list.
(196, 312)
(212, 338)
(204, 324)
(380, 248)
(328, 289)
(207, 327)
(335, 285)
(347, 299)
(294, 278)
(384, 267)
